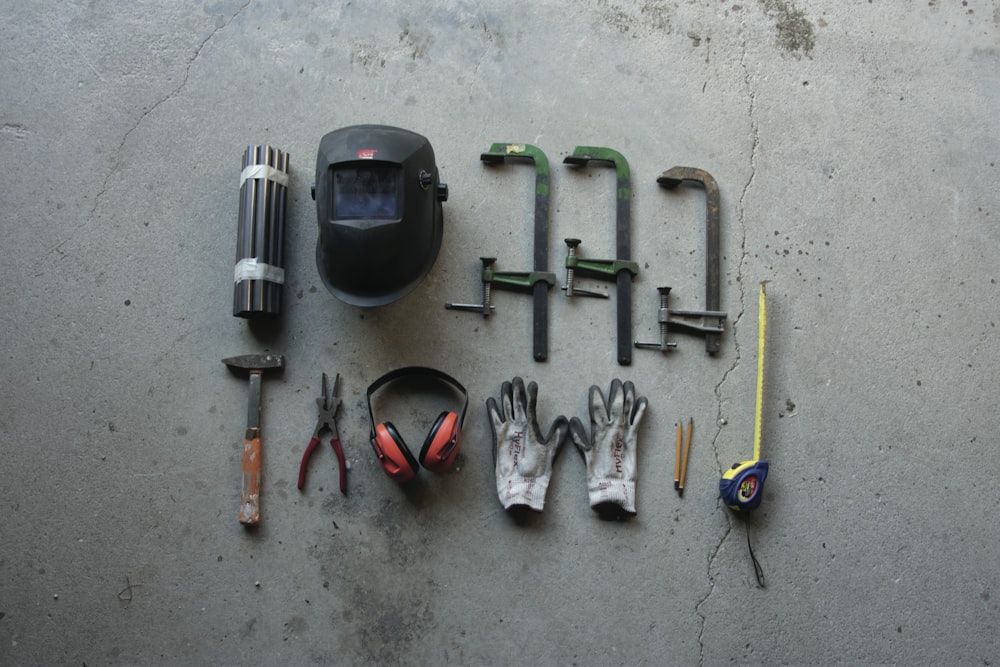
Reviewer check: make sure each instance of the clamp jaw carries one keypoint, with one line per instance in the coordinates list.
(712, 322)
(513, 280)
(599, 268)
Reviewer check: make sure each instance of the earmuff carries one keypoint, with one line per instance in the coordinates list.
(441, 444)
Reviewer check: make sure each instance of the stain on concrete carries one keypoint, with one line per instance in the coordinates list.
(392, 624)
(296, 625)
(789, 409)
(411, 45)
(796, 34)
(653, 16)
(495, 36)
(414, 44)
(333, 503)
(658, 15)
(248, 628)
(15, 130)
(362, 562)
(618, 19)
(401, 545)
(368, 56)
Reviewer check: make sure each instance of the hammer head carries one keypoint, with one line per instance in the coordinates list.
(255, 362)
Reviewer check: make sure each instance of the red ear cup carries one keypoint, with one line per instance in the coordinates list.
(393, 454)
(441, 446)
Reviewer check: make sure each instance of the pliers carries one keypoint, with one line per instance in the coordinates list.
(328, 405)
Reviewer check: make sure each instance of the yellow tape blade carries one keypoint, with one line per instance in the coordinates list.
(761, 328)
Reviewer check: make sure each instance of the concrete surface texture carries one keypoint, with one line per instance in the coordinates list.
(856, 150)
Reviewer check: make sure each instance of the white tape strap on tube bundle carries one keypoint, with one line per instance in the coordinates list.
(253, 269)
(266, 172)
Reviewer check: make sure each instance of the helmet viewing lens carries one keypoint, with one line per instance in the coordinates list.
(367, 192)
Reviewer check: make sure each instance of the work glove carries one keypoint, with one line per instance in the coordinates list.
(610, 449)
(522, 457)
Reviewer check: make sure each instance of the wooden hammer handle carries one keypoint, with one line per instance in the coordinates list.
(250, 494)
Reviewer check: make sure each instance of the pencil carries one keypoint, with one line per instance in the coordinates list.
(677, 459)
(687, 451)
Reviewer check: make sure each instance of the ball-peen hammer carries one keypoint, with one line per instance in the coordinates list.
(256, 364)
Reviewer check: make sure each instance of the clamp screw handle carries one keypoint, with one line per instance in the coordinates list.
(486, 307)
(487, 284)
(664, 315)
(571, 245)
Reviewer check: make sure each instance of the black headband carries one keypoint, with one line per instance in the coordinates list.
(415, 371)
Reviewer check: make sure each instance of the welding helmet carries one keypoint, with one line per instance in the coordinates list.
(378, 204)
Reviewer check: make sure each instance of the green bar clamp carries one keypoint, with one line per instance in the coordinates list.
(539, 280)
(626, 269)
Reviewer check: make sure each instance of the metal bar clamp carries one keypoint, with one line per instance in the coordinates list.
(712, 331)
(623, 268)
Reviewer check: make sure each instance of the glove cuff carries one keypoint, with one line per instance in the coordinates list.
(617, 491)
(528, 491)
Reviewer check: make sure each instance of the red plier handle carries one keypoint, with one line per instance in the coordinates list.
(341, 463)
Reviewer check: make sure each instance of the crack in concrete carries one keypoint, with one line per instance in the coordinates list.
(711, 589)
(482, 57)
(744, 255)
(116, 164)
(172, 94)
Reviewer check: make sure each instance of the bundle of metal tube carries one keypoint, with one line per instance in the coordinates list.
(260, 273)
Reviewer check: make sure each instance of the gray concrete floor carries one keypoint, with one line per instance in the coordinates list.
(856, 148)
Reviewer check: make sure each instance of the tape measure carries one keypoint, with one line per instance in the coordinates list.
(742, 486)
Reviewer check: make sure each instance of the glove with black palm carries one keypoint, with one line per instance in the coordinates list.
(522, 457)
(610, 449)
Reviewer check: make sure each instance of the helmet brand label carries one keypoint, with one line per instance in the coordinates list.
(367, 153)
